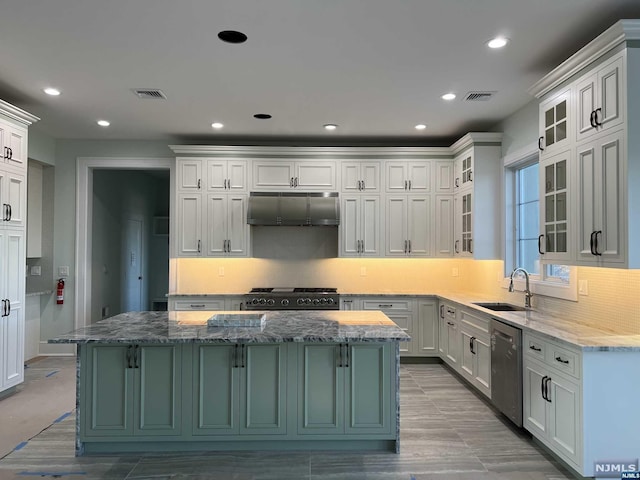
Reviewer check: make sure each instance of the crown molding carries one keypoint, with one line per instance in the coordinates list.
(297, 152)
(618, 33)
(17, 114)
(475, 139)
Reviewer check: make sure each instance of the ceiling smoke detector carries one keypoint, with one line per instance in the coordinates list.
(478, 96)
(149, 93)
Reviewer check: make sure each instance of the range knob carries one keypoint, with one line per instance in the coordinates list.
(254, 301)
(300, 301)
(263, 301)
(331, 301)
(285, 302)
(271, 301)
(323, 301)
(307, 301)
(316, 301)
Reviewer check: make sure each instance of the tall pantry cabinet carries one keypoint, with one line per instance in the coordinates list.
(13, 196)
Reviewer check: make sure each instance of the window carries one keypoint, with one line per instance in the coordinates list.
(523, 225)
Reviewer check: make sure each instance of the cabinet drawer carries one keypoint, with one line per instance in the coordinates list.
(477, 321)
(447, 311)
(196, 304)
(563, 359)
(534, 347)
(388, 304)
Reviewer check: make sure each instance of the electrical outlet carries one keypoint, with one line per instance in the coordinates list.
(454, 272)
(221, 271)
(63, 271)
(363, 271)
(36, 270)
(583, 287)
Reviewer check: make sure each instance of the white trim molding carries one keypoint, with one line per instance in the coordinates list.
(84, 217)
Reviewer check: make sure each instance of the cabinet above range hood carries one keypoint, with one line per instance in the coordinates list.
(293, 209)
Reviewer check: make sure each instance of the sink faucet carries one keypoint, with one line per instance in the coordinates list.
(527, 290)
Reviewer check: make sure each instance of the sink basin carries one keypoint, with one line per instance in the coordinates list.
(237, 320)
(500, 307)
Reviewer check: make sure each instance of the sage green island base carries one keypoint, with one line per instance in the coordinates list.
(207, 395)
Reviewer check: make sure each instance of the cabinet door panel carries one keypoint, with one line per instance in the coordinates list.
(444, 226)
(16, 189)
(237, 228)
(216, 225)
(586, 201)
(482, 367)
(12, 353)
(264, 390)
(350, 176)
(159, 396)
(321, 394)
(316, 176)
(610, 92)
(237, 176)
(586, 97)
(428, 328)
(370, 225)
(564, 419)
(16, 139)
(444, 176)
(466, 356)
(215, 402)
(216, 174)
(453, 344)
(189, 175)
(367, 399)
(190, 225)
(419, 174)
(12, 250)
(396, 177)
(370, 173)
(396, 228)
(535, 407)
(419, 223)
(350, 226)
(272, 175)
(405, 322)
(109, 392)
(609, 243)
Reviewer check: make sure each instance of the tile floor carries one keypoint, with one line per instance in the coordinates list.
(447, 433)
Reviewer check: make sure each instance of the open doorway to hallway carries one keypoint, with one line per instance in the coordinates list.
(129, 241)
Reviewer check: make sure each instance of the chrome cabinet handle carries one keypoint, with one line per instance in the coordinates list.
(129, 356)
(229, 246)
(471, 340)
(548, 399)
(542, 385)
(591, 119)
(10, 214)
(591, 242)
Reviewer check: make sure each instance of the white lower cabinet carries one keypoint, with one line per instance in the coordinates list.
(552, 397)
(475, 354)
(194, 303)
(449, 339)
(427, 328)
(402, 312)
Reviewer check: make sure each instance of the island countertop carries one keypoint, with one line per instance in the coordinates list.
(279, 326)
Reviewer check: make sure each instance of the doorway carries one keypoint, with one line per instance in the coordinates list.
(122, 263)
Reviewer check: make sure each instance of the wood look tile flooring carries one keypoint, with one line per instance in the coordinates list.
(447, 433)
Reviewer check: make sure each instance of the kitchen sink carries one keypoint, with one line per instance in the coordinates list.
(500, 307)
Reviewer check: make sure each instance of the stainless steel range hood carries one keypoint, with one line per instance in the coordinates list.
(293, 209)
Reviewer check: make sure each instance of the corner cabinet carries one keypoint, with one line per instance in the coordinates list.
(476, 202)
(586, 138)
(14, 123)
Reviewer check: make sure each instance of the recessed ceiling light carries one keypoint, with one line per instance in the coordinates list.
(448, 96)
(421, 126)
(330, 126)
(54, 92)
(232, 36)
(217, 125)
(103, 123)
(262, 116)
(497, 42)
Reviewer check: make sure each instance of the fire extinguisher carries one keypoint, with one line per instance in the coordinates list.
(60, 292)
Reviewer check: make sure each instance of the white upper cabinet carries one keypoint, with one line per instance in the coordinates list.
(226, 175)
(189, 174)
(602, 153)
(13, 195)
(360, 227)
(599, 98)
(408, 226)
(408, 177)
(13, 143)
(444, 176)
(360, 177)
(309, 175)
(555, 123)
(227, 229)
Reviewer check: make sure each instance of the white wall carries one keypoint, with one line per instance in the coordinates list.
(520, 129)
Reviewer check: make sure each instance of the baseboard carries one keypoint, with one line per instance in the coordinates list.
(57, 349)
(408, 360)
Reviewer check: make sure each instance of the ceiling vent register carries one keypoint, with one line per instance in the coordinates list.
(478, 96)
(149, 93)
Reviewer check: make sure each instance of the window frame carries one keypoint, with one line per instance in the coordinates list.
(539, 284)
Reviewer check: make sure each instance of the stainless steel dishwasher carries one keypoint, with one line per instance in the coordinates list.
(506, 370)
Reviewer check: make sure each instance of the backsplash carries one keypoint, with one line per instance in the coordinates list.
(612, 302)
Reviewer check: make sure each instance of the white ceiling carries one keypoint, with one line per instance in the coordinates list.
(375, 67)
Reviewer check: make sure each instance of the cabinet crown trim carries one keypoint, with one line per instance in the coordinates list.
(475, 139)
(618, 33)
(15, 113)
(294, 153)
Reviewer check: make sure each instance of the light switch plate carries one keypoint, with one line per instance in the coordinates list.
(63, 271)
(36, 270)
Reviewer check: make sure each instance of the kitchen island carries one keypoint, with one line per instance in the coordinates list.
(298, 380)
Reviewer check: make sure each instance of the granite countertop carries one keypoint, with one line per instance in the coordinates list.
(279, 326)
